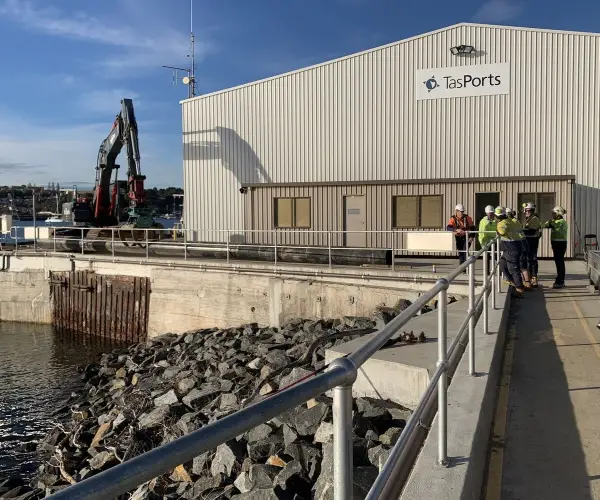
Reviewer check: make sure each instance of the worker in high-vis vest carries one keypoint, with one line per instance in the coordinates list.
(463, 228)
(532, 228)
(559, 230)
(512, 247)
(487, 229)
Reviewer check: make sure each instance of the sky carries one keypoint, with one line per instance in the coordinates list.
(67, 63)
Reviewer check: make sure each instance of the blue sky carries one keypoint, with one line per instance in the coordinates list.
(67, 63)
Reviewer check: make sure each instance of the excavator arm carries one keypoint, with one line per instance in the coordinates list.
(124, 132)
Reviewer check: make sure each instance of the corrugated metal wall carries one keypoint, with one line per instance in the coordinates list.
(357, 119)
(327, 208)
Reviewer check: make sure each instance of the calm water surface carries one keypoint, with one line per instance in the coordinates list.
(38, 371)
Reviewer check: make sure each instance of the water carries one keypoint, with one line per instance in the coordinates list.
(38, 372)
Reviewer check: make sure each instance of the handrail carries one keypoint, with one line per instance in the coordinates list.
(339, 376)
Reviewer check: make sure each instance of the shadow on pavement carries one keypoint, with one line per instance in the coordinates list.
(543, 455)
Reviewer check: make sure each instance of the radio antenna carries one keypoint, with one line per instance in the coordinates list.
(190, 78)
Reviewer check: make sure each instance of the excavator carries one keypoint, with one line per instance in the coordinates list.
(115, 202)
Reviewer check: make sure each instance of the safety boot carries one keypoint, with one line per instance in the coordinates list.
(509, 282)
(518, 293)
(534, 281)
(527, 285)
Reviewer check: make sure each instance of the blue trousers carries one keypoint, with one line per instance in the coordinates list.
(510, 264)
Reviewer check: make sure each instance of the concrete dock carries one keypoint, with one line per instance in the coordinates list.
(546, 436)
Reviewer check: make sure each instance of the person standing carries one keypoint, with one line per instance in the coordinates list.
(487, 230)
(460, 224)
(532, 228)
(520, 235)
(559, 230)
(510, 262)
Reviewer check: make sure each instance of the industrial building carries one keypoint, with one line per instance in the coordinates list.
(392, 138)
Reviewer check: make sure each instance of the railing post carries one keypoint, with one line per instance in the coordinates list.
(469, 268)
(443, 381)
(393, 250)
(499, 273)
(472, 318)
(493, 274)
(228, 237)
(486, 278)
(81, 241)
(342, 432)
(329, 248)
(54, 239)
(275, 233)
(184, 244)
(112, 242)
(147, 244)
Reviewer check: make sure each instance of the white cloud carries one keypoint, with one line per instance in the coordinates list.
(498, 11)
(145, 44)
(31, 153)
(106, 101)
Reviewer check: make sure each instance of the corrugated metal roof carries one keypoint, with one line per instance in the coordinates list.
(392, 44)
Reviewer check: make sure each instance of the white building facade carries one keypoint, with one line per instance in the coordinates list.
(394, 137)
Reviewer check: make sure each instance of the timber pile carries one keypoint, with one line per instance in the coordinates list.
(139, 398)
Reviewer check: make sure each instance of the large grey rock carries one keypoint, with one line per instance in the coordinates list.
(200, 464)
(197, 397)
(308, 455)
(154, 418)
(101, 459)
(293, 468)
(229, 402)
(262, 476)
(308, 420)
(203, 485)
(369, 409)
(243, 482)
(295, 375)
(186, 385)
(324, 433)
(390, 436)
(227, 460)
(277, 360)
(170, 398)
(259, 451)
(323, 488)
(289, 435)
(258, 433)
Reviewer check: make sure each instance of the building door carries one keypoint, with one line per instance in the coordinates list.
(482, 200)
(355, 220)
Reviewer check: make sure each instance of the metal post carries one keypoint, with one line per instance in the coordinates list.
(443, 381)
(469, 269)
(147, 244)
(34, 224)
(112, 241)
(393, 250)
(472, 318)
(342, 442)
(494, 271)
(54, 238)
(485, 292)
(227, 236)
(81, 241)
(499, 273)
(275, 248)
(184, 243)
(329, 248)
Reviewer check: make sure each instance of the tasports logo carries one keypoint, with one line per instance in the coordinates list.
(465, 81)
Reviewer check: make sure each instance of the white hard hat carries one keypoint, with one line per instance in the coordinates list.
(500, 211)
(460, 208)
(528, 206)
(559, 210)
(489, 209)
(509, 210)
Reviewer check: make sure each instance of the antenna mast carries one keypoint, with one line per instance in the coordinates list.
(190, 79)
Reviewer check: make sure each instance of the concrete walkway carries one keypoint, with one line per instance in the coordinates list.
(546, 436)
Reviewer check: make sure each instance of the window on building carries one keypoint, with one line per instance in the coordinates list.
(292, 212)
(418, 211)
(544, 203)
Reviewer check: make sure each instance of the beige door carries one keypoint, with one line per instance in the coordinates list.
(355, 219)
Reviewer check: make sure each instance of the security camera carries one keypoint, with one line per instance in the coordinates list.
(243, 190)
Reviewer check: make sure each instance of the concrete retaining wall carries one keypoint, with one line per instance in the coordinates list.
(187, 298)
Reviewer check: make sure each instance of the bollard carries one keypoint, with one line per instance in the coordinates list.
(472, 318)
(443, 381)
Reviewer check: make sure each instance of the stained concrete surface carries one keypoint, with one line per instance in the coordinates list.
(552, 435)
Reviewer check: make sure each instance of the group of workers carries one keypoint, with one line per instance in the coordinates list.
(519, 242)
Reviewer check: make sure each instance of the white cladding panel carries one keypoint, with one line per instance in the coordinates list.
(359, 119)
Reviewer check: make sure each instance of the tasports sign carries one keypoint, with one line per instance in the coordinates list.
(463, 81)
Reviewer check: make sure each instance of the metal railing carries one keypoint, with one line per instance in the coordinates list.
(339, 377)
(592, 260)
(228, 244)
